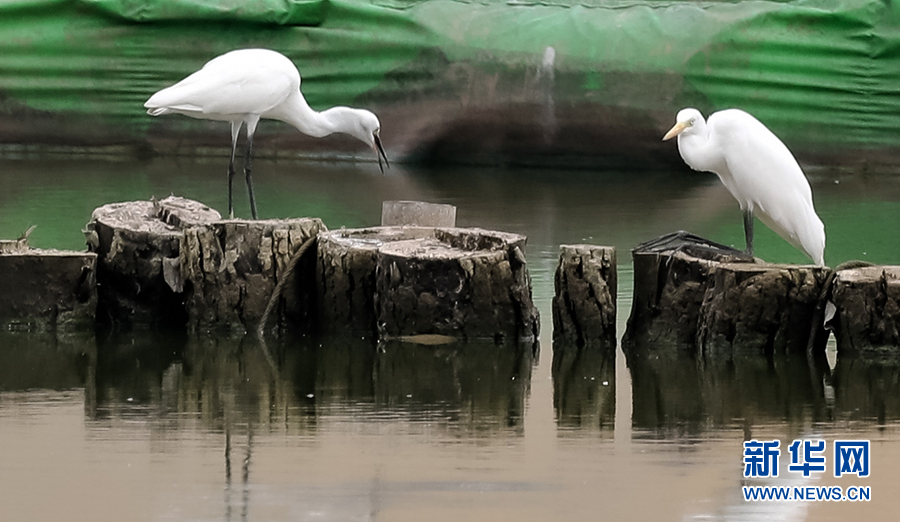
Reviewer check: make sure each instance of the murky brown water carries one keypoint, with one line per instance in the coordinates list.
(149, 427)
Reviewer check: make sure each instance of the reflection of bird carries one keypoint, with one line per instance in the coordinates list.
(758, 170)
(246, 85)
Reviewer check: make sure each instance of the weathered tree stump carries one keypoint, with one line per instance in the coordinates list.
(406, 281)
(763, 308)
(345, 275)
(669, 288)
(584, 307)
(712, 301)
(48, 290)
(417, 213)
(138, 244)
(867, 315)
(231, 268)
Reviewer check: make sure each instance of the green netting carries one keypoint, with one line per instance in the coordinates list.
(820, 73)
(283, 12)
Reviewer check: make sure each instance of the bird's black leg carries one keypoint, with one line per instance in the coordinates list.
(230, 179)
(247, 168)
(748, 230)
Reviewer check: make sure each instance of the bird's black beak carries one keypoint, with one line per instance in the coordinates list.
(379, 153)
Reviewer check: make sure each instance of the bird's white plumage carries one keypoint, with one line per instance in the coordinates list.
(758, 170)
(246, 85)
(242, 82)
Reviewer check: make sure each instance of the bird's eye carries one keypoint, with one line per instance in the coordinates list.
(693, 120)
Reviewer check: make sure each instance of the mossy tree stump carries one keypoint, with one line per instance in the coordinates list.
(230, 270)
(867, 310)
(138, 244)
(584, 306)
(407, 281)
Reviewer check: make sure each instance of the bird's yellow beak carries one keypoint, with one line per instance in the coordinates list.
(676, 130)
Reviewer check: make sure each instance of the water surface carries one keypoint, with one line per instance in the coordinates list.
(148, 426)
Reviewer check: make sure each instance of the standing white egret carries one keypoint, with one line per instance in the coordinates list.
(758, 170)
(245, 85)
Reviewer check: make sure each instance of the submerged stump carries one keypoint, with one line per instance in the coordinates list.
(231, 268)
(584, 306)
(137, 244)
(398, 282)
(867, 310)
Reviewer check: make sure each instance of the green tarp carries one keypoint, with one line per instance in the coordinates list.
(555, 81)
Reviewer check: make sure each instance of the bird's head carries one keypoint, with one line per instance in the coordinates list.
(364, 126)
(685, 121)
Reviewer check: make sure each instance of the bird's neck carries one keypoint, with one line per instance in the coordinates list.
(699, 152)
(295, 111)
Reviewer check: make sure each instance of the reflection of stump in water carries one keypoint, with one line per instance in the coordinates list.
(677, 394)
(230, 270)
(137, 244)
(475, 388)
(704, 301)
(584, 307)
(866, 388)
(408, 281)
(584, 387)
(867, 316)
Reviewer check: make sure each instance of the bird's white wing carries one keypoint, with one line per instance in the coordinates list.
(767, 178)
(226, 88)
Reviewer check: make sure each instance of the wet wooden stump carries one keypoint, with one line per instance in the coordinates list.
(709, 299)
(47, 290)
(867, 315)
(345, 276)
(584, 306)
(231, 268)
(763, 308)
(395, 282)
(137, 244)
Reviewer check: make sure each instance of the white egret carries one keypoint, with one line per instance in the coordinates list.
(758, 170)
(248, 84)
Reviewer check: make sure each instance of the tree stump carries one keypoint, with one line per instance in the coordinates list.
(711, 300)
(137, 244)
(230, 270)
(669, 288)
(48, 290)
(584, 307)
(867, 315)
(763, 308)
(406, 281)
(345, 276)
